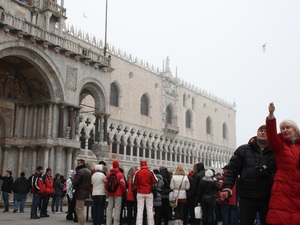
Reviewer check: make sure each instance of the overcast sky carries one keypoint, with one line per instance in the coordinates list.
(216, 45)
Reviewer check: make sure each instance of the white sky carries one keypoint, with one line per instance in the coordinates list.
(215, 44)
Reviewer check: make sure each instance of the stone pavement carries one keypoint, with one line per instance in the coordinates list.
(24, 218)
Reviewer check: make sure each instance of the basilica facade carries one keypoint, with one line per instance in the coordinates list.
(61, 98)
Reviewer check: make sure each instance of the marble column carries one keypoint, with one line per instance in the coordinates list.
(46, 156)
(105, 128)
(118, 150)
(42, 122)
(5, 158)
(34, 121)
(69, 160)
(34, 158)
(61, 121)
(50, 119)
(131, 151)
(58, 162)
(47, 22)
(25, 121)
(16, 120)
(52, 157)
(20, 159)
(71, 122)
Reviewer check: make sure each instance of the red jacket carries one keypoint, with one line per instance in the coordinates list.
(48, 182)
(144, 180)
(228, 201)
(284, 205)
(120, 179)
(130, 194)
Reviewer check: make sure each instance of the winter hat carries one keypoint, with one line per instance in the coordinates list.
(70, 174)
(115, 164)
(39, 168)
(292, 124)
(102, 163)
(143, 163)
(262, 127)
(209, 173)
(155, 171)
(98, 167)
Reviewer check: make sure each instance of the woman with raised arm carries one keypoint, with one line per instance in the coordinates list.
(284, 206)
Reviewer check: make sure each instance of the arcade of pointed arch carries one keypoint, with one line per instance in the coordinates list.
(160, 149)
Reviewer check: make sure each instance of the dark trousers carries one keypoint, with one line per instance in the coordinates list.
(45, 201)
(131, 212)
(180, 210)
(71, 209)
(249, 208)
(208, 210)
(99, 207)
(5, 197)
(166, 210)
(157, 215)
(35, 202)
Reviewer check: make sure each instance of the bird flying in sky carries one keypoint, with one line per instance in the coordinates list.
(264, 47)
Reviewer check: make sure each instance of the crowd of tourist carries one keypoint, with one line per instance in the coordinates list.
(253, 188)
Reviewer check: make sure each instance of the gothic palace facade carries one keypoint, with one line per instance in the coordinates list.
(62, 99)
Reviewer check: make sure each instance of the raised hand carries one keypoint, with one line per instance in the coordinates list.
(271, 108)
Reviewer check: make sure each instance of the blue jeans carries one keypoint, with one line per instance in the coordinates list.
(19, 199)
(99, 207)
(56, 202)
(227, 212)
(5, 200)
(35, 202)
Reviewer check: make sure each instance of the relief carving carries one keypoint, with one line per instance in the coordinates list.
(71, 79)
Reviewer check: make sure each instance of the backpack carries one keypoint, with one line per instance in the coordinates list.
(112, 183)
(64, 186)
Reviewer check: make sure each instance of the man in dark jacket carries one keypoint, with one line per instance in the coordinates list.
(20, 189)
(37, 190)
(255, 164)
(82, 186)
(6, 188)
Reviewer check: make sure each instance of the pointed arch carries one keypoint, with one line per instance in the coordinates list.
(225, 131)
(115, 94)
(145, 105)
(189, 119)
(169, 114)
(208, 125)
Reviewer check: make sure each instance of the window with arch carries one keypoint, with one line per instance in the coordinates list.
(114, 95)
(188, 119)
(184, 100)
(169, 114)
(145, 105)
(208, 125)
(193, 103)
(225, 131)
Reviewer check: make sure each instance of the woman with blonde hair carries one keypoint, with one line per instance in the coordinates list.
(284, 205)
(180, 184)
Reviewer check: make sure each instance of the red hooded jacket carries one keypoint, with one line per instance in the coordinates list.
(144, 180)
(120, 179)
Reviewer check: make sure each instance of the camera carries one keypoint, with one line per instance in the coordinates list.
(262, 171)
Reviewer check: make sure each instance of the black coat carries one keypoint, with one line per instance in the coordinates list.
(208, 190)
(7, 184)
(194, 190)
(82, 182)
(244, 162)
(21, 186)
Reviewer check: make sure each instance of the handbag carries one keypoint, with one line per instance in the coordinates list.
(172, 199)
(198, 212)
